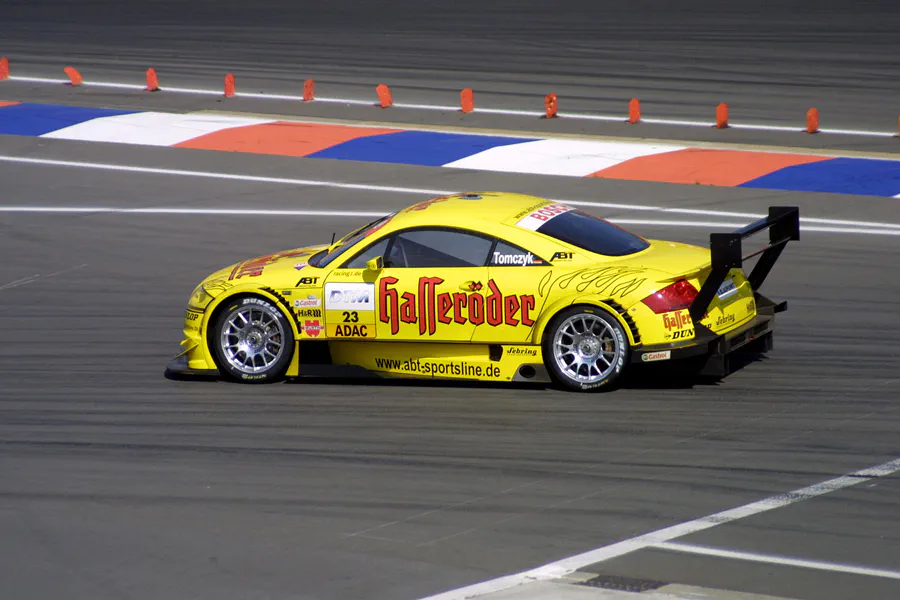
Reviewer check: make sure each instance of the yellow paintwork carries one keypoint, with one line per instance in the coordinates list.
(399, 309)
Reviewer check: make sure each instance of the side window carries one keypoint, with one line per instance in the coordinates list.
(507, 255)
(359, 261)
(438, 248)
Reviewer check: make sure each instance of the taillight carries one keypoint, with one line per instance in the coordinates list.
(677, 296)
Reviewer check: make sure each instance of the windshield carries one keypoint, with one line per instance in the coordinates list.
(592, 234)
(325, 257)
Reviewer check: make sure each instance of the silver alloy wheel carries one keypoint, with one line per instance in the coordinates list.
(585, 348)
(252, 338)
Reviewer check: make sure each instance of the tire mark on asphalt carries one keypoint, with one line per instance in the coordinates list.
(38, 277)
(365, 532)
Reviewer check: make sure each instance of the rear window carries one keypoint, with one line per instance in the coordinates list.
(592, 234)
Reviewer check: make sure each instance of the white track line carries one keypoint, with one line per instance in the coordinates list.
(242, 212)
(778, 560)
(820, 225)
(266, 212)
(445, 108)
(655, 538)
(222, 176)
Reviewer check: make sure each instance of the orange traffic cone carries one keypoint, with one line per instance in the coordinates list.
(467, 100)
(74, 76)
(722, 116)
(550, 106)
(4, 69)
(812, 120)
(309, 90)
(229, 86)
(385, 98)
(152, 81)
(634, 111)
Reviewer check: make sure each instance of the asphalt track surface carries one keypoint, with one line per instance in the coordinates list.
(118, 483)
(770, 61)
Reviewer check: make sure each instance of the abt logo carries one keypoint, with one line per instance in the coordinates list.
(350, 296)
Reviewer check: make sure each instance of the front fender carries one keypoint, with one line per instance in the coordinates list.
(214, 307)
(554, 308)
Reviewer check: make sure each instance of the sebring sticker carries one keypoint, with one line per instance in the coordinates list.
(538, 217)
(350, 296)
(655, 356)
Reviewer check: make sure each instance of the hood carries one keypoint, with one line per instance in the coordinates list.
(269, 269)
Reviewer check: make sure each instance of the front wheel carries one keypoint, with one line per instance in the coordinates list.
(585, 348)
(252, 341)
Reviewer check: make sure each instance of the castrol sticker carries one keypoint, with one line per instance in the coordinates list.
(539, 216)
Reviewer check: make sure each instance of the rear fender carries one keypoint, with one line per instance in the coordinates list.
(549, 312)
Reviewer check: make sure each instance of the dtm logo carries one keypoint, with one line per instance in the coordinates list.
(350, 296)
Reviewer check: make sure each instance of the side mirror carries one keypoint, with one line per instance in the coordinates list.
(375, 264)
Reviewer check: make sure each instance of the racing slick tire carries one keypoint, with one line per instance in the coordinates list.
(585, 348)
(252, 340)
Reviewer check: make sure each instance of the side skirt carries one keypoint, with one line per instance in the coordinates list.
(420, 360)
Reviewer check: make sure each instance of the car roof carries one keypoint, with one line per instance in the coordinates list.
(466, 208)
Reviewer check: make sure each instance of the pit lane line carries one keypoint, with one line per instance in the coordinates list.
(821, 225)
(447, 108)
(774, 559)
(654, 539)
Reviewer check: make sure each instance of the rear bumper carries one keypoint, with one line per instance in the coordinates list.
(714, 346)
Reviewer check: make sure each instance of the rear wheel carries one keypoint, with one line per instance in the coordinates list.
(252, 341)
(585, 348)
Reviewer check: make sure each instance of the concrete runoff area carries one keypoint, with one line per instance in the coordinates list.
(118, 479)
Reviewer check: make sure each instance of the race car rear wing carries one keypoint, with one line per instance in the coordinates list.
(783, 224)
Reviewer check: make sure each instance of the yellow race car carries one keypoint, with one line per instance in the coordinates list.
(484, 286)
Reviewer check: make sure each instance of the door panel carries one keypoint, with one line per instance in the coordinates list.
(512, 303)
(430, 304)
(512, 294)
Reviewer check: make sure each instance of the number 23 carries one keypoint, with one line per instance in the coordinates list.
(351, 317)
